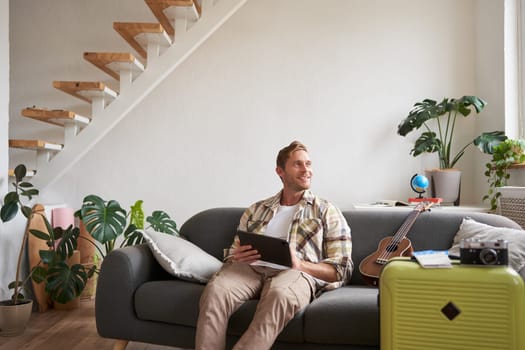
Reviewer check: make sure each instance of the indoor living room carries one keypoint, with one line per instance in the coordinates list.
(199, 128)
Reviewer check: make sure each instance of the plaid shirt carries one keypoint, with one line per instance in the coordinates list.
(318, 231)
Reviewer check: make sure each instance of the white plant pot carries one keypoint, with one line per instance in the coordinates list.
(445, 184)
(14, 318)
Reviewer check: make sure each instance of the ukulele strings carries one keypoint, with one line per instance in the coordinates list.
(391, 247)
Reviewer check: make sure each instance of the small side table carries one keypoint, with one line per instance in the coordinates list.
(463, 307)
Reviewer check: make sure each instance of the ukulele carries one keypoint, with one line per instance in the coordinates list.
(390, 247)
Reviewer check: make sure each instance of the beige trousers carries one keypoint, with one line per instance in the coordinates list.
(281, 293)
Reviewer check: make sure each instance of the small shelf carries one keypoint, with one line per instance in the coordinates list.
(517, 166)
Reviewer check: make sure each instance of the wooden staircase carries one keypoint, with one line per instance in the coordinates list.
(183, 25)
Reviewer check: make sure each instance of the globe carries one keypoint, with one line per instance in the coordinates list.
(419, 183)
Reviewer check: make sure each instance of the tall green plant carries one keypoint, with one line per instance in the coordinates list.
(445, 115)
(13, 203)
(62, 282)
(505, 154)
(107, 221)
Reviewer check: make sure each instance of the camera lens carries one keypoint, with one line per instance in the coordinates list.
(488, 256)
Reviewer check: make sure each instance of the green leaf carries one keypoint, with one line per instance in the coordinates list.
(27, 211)
(29, 193)
(132, 236)
(64, 283)
(137, 215)
(105, 222)
(11, 197)
(40, 234)
(13, 284)
(20, 172)
(427, 142)
(39, 274)
(68, 242)
(421, 113)
(47, 256)
(160, 221)
(8, 211)
(488, 140)
(25, 185)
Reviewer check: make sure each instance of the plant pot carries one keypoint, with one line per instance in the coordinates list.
(445, 184)
(14, 318)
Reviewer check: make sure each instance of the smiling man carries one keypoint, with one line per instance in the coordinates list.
(320, 245)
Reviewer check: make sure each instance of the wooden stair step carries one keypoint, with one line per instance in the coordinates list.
(85, 90)
(138, 34)
(29, 173)
(55, 116)
(158, 8)
(113, 62)
(35, 145)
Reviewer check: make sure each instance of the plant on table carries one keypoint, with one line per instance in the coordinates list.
(505, 155)
(440, 139)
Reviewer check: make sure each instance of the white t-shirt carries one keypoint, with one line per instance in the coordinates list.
(279, 225)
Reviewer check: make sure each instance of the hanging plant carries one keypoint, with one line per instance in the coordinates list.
(506, 154)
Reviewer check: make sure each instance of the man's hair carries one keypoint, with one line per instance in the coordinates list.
(285, 153)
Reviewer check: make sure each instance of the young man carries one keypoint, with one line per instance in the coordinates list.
(321, 249)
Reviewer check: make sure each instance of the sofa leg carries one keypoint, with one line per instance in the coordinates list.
(120, 344)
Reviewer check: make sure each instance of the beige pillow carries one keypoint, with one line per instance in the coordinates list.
(472, 229)
(181, 258)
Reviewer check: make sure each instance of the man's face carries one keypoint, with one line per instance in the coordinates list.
(297, 173)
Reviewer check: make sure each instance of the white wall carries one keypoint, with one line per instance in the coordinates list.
(340, 77)
(490, 77)
(4, 93)
(4, 127)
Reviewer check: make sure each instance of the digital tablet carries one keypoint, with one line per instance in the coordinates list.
(271, 249)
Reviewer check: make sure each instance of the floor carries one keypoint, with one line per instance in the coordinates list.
(72, 330)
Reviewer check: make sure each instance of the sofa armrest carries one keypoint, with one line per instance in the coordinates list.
(121, 273)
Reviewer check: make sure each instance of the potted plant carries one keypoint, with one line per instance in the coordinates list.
(438, 121)
(62, 282)
(506, 154)
(107, 222)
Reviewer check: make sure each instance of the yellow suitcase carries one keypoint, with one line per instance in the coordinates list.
(463, 308)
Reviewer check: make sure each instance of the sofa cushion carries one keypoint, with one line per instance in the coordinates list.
(181, 258)
(348, 315)
(177, 302)
(471, 229)
(172, 301)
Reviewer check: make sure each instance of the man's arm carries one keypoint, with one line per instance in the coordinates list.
(323, 271)
(337, 243)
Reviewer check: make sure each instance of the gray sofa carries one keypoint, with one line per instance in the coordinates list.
(137, 300)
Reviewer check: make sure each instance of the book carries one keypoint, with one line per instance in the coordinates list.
(433, 259)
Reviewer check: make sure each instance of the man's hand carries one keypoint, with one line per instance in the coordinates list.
(245, 254)
(323, 271)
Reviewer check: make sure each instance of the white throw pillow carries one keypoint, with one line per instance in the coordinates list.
(472, 229)
(181, 258)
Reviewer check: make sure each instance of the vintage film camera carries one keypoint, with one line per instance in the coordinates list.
(476, 252)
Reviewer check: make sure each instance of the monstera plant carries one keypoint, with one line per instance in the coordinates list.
(63, 282)
(438, 122)
(107, 222)
(440, 139)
